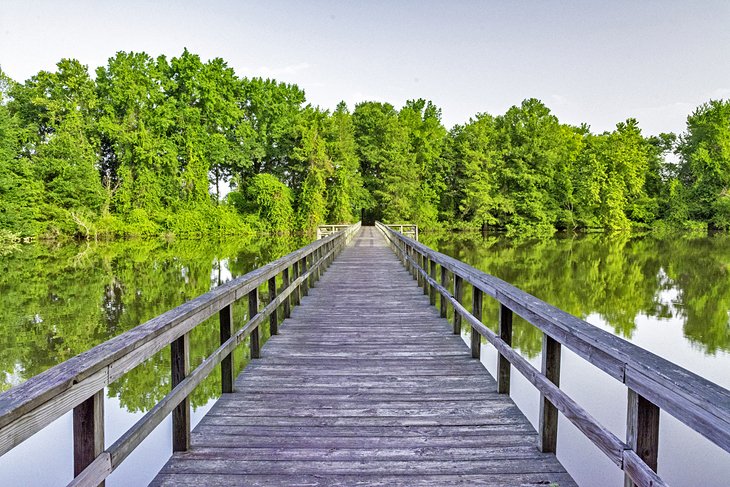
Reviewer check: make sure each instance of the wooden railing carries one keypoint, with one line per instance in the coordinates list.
(653, 383)
(327, 230)
(407, 229)
(79, 383)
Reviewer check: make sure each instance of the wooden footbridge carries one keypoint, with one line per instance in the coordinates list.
(364, 383)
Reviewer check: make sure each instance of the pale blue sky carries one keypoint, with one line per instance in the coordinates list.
(593, 62)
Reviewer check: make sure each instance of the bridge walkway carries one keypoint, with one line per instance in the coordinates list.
(365, 385)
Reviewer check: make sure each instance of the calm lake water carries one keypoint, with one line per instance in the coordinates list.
(671, 296)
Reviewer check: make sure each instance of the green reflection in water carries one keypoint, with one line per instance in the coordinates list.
(59, 301)
(618, 277)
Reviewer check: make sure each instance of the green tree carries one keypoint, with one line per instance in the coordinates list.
(311, 153)
(705, 162)
(345, 193)
(269, 199)
(57, 110)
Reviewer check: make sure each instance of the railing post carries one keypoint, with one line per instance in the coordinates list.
(296, 294)
(642, 430)
(253, 310)
(180, 361)
(303, 270)
(548, 412)
(274, 316)
(505, 333)
(444, 279)
(432, 296)
(476, 338)
(226, 325)
(315, 262)
(88, 428)
(419, 263)
(459, 296)
(425, 271)
(285, 284)
(411, 266)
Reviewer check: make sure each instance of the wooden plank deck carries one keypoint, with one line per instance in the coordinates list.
(367, 386)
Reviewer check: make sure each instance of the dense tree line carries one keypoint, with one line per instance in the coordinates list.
(154, 145)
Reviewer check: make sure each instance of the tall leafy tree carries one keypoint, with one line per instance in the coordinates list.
(705, 162)
(57, 109)
(345, 194)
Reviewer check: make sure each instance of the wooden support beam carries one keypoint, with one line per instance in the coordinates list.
(476, 338)
(88, 431)
(459, 296)
(432, 295)
(253, 310)
(503, 365)
(316, 255)
(444, 282)
(274, 316)
(180, 361)
(548, 412)
(285, 284)
(297, 294)
(226, 325)
(642, 431)
(302, 270)
(425, 269)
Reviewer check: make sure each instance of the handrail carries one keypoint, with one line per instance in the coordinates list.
(407, 229)
(78, 383)
(653, 382)
(327, 230)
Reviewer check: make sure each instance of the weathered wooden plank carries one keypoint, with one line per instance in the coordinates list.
(238, 466)
(359, 480)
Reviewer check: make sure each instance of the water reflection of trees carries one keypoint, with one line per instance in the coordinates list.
(58, 301)
(618, 277)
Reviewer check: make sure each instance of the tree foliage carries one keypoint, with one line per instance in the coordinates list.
(185, 146)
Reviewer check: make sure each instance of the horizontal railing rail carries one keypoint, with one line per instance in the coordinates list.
(78, 383)
(407, 229)
(327, 230)
(653, 383)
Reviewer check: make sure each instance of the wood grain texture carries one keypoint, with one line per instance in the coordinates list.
(548, 416)
(88, 428)
(365, 384)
